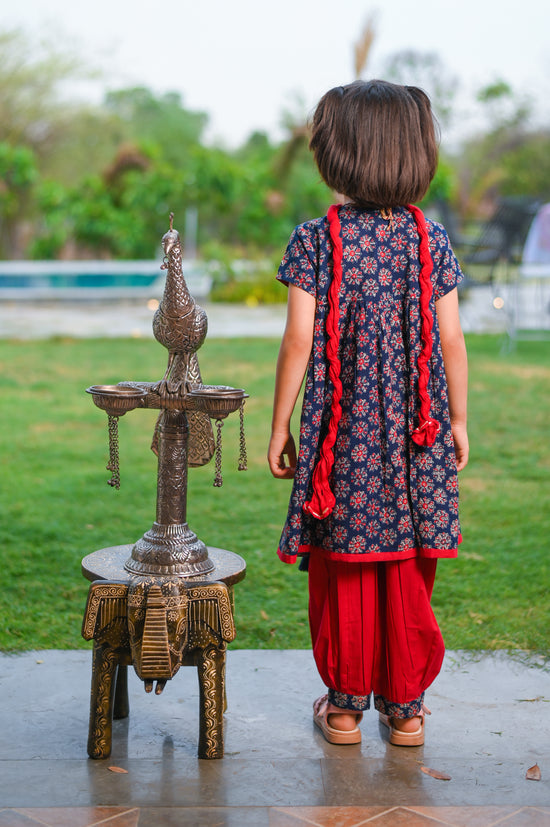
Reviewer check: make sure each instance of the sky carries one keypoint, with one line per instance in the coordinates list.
(245, 62)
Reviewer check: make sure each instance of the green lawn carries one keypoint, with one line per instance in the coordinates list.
(57, 506)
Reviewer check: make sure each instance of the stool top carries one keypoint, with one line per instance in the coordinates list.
(108, 564)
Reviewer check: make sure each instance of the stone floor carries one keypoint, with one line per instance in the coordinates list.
(489, 725)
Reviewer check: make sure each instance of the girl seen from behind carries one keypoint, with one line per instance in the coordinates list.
(373, 324)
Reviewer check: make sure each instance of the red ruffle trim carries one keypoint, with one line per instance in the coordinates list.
(322, 499)
(428, 428)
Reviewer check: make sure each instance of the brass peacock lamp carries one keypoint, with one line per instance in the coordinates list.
(183, 433)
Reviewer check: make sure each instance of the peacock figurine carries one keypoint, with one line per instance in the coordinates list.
(180, 324)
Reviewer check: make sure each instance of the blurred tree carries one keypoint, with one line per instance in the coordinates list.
(428, 71)
(31, 111)
(160, 123)
(526, 166)
(504, 109)
(508, 157)
(36, 111)
(101, 218)
(101, 181)
(18, 174)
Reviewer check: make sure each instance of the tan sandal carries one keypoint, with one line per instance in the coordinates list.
(322, 709)
(406, 739)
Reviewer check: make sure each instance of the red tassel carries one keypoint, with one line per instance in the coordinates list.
(426, 433)
(322, 499)
(320, 507)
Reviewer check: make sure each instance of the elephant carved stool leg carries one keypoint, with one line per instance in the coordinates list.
(210, 663)
(157, 625)
(105, 621)
(106, 663)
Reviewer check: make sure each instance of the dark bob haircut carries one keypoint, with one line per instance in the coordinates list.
(375, 142)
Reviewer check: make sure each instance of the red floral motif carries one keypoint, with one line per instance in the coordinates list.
(358, 499)
(373, 486)
(387, 515)
(357, 544)
(385, 277)
(359, 453)
(358, 521)
(440, 497)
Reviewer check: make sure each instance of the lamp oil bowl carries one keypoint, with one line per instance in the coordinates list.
(116, 400)
(218, 401)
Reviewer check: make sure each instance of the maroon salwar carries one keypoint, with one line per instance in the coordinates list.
(373, 631)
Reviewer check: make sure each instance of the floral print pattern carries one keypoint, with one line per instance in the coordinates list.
(361, 703)
(394, 499)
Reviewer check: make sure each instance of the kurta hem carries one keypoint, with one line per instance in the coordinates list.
(372, 556)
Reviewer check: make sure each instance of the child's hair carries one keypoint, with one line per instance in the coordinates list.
(375, 142)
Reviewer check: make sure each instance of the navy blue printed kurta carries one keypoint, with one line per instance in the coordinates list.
(394, 499)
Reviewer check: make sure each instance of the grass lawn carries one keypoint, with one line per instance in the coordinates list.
(57, 506)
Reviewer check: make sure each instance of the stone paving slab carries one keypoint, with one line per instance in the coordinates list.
(489, 725)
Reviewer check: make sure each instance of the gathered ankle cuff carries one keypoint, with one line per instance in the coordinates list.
(395, 710)
(342, 701)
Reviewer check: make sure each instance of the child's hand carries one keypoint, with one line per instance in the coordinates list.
(462, 448)
(279, 447)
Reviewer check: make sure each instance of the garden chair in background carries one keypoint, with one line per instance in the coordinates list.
(500, 242)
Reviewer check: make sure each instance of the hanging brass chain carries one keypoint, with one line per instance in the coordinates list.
(243, 461)
(113, 452)
(218, 480)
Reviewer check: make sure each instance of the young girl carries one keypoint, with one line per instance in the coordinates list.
(373, 320)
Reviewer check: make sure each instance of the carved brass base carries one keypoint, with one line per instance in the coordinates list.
(169, 549)
(157, 624)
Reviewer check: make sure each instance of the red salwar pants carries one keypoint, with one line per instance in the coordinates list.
(373, 631)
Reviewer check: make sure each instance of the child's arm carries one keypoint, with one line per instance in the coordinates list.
(456, 371)
(291, 366)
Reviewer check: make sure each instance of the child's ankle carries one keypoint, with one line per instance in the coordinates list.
(407, 724)
(344, 720)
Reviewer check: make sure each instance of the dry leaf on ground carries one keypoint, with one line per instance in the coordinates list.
(442, 776)
(533, 773)
(117, 769)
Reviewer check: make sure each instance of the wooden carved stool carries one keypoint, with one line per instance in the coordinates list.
(157, 624)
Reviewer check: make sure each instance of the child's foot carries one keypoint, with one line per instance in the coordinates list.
(341, 728)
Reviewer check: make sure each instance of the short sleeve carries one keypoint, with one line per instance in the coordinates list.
(299, 264)
(446, 271)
